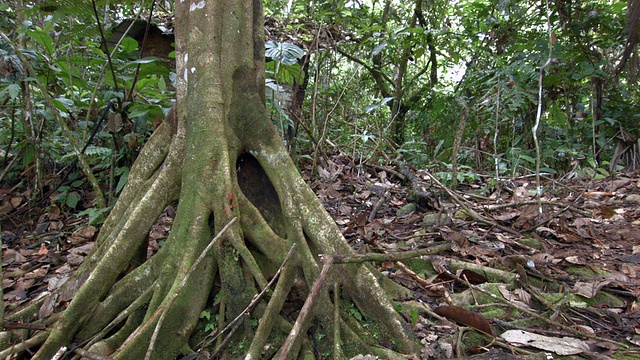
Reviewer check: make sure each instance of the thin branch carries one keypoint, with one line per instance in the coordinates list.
(539, 112)
(306, 309)
(104, 41)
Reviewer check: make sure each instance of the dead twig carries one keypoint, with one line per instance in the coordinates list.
(472, 213)
(289, 343)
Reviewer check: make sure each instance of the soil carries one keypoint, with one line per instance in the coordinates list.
(566, 265)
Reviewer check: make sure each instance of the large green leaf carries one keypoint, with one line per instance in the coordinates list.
(43, 38)
(285, 53)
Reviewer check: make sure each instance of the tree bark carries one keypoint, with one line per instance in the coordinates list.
(219, 157)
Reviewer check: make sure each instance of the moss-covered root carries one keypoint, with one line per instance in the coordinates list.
(149, 190)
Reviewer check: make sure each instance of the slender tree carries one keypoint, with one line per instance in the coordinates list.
(219, 157)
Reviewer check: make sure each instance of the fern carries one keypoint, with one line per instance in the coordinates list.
(98, 151)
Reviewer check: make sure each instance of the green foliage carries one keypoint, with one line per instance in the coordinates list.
(74, 71)
(353, 311)
(210, 320)
(489, 53)
(96, 216)
(69, 195)
(386, 68)
(465, 174)
(285, 53)
(284, 66)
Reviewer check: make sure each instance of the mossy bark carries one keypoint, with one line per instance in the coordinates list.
(219, 157)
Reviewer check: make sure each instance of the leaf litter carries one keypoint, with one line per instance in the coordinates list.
(515, 282)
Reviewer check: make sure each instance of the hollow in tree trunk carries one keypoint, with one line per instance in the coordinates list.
(220, 159)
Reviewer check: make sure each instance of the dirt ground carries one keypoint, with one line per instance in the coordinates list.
(519, 278)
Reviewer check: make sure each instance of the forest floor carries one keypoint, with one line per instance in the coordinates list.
(561, 282)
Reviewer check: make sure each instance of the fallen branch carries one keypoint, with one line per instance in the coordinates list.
(306, 309)
(395, 256)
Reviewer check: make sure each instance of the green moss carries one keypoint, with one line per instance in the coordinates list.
(466, 297)
(621, 355)
(530, 242)
(583, 271)
(473, 338)
(553, 298)
(420, 267)
(493, 312)
(601, 298)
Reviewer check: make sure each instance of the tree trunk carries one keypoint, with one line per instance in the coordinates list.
(219, 157)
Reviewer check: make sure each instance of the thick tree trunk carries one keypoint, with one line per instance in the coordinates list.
(226, 162)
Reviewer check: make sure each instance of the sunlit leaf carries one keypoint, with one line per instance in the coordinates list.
(379, 48)
(43, 38)
(285, 53)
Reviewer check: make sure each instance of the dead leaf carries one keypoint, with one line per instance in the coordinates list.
(64, 269)
(43, 250)
(6, 207)
(472, 277)
(515, 298)
(24, 284)
(629, 270)
(7, 283)
(512, 261)
(545, 231)
(521, 193)
(465, 317)
(541, 260)
(16, 295)
(54, 212)
(82, 250)
(56, 281)
(590, 289)
(576, 260)
(617, 276)
(37, 273)
(570, 237)
(56, 226)
(12, 257)
(560, 346)
(83, 234)
(16, 201)
(75, 259)
(440, 264)
(506, 217)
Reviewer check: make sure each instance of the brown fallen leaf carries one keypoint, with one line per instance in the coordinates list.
(43, 250)
(465, 317)
(590, 289)
(472, 277)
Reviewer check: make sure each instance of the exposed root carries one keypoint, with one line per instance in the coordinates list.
(137, 315)
(233, 165)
